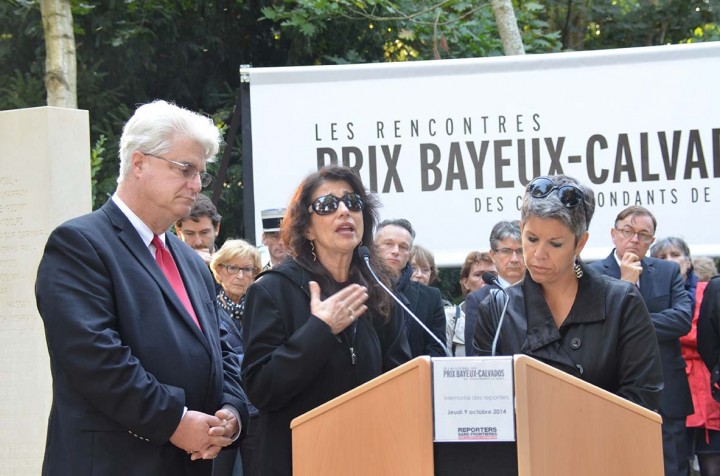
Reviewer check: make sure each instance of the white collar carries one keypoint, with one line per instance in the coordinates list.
(143, 230)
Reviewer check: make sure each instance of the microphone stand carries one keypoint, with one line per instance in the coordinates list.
(364, 254)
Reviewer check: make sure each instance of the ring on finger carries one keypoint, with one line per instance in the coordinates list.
(351, 313)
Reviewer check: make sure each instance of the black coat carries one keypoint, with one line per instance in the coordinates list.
(427, 304)
(472, 305)
(607, 338)
(708, 325)
(293, 362)
(670, 307)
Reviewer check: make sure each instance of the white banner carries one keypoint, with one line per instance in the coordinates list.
(451, 144)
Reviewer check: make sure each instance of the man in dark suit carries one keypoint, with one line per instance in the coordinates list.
(661, 287)
(144, 381)
(507, 255)
(394, 239)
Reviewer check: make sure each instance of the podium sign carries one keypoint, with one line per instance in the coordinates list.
(473, 399)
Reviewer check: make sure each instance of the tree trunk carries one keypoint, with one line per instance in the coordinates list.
(60, 59)
(573, 36)
(507, 27)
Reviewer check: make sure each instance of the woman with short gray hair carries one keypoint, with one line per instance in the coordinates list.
(564, 314)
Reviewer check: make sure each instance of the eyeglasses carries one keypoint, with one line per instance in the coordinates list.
(402, 247)
(508, 252)
(423, 271)
(189, 171)
(328, 204)
(232, 269)
(570, 196)
(628, 233)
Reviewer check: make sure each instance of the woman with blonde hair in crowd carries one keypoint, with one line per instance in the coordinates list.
(234, 267)
(422, 262)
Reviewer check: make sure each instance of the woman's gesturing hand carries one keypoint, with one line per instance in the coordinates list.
(341, 309)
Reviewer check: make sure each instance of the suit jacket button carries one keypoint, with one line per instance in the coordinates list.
(575, 343)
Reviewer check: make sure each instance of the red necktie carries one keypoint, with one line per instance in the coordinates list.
(168, 267)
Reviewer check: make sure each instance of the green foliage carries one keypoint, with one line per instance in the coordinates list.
(538, 35)
(405, 30)
(631, 23)
(704, 33)
(20, 90)
(449, 284)
(22, 56)
(187, 51)
(131, 52)
(322, 32)
(102, 184)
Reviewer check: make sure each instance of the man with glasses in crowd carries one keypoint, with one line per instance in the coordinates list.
(144, 379)
(506, 252)
(200, 229)
(394, 240)
(670, 307)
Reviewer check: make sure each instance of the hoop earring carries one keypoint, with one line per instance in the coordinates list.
(578, 269)
(312, 250)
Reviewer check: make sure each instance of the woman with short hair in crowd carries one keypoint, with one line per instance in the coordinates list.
(234, 267)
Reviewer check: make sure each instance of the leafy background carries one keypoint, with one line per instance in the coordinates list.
(131, 51)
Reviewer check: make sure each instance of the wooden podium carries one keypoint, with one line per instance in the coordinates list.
(564, 426)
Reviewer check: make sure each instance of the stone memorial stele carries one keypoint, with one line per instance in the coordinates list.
(44, 181)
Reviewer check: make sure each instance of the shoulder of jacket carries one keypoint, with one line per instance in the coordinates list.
(288, 271)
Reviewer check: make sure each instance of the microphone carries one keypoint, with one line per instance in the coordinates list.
(364, 255)
(491, 278)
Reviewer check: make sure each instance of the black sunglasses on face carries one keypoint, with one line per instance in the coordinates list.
(328, 204)
(569, 194)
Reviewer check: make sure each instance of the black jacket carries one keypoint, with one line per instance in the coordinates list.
(293, 362)
(426, 303)
(708, 325)
(472, 304)
(670, 307)
(607, 338)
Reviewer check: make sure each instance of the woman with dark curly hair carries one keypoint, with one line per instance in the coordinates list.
(318, 324)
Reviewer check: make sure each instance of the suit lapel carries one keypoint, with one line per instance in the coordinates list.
(131, 239)
(646, 281)
(139, 250)
(611, 267)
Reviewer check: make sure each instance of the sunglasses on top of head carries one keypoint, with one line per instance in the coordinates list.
(328, 204)
(570, 195)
